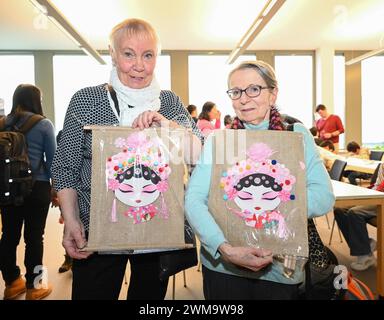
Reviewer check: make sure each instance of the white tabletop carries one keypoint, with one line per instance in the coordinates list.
(344, 190)
(361, 165)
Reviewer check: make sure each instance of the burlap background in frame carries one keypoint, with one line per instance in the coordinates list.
(289, 150)
(105, 235)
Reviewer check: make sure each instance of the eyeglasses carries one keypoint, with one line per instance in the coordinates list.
(251, 91)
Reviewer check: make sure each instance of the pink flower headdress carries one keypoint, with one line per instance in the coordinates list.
(258, 161)
(136, 150)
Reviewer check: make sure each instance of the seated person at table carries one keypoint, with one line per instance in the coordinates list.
(327, 154)
(315, 134)
(328, 145)
(353, 224)
(355, 151)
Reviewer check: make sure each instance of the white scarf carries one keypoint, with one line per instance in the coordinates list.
(145, 99)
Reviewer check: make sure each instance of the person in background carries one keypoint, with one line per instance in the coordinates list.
(192, 109)
(355, 151)
(328, 145)
(314, 132)
(32, 214)
(232, 272)
(353, 224)
(209, 113)
(329, 126)
(327, 153)
(228, 121)
(134, 48)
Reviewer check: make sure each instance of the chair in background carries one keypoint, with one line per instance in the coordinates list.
(371, 177)
(174, 284)
(376, 155)
(337, 169)
(336, 173)
(374, 176)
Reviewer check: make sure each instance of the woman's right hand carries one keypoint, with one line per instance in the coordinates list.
(74, 239)
(246, 257)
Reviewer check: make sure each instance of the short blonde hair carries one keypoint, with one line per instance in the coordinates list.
(134, 27)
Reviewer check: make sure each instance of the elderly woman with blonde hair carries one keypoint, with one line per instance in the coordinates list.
(132, 98)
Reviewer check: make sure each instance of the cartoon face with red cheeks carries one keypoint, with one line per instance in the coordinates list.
(257, 193)
(138, 176)
(137, 186)
(258, 185)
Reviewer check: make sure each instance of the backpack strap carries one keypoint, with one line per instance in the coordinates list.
(30, 123)
(114, 98)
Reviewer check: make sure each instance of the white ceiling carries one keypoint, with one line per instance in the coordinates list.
(201, 24)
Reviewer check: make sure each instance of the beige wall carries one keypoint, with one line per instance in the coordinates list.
(179, 75)
(353, 113)
(266, 56)
(44, 80)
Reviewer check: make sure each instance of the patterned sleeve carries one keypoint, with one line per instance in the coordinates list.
(69, 156)
(173, 109)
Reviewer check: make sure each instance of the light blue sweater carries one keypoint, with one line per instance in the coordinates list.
(320, 200)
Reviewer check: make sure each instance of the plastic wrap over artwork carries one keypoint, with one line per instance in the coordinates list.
(137, 193)
(258, 192)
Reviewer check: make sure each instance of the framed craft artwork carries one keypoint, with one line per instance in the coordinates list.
(258, 189)
(137, 193)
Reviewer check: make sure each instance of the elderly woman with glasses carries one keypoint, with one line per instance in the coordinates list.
(233, 272)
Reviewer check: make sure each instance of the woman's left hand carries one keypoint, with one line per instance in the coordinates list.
(254, 259)
(151, 118)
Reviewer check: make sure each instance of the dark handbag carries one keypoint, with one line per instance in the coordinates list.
(172, 262)
(319, 270)
(175, 261)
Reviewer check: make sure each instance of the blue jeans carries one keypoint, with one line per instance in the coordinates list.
(353, 224)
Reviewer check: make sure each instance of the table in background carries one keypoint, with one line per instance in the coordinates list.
(361, 165)
(348, 195)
